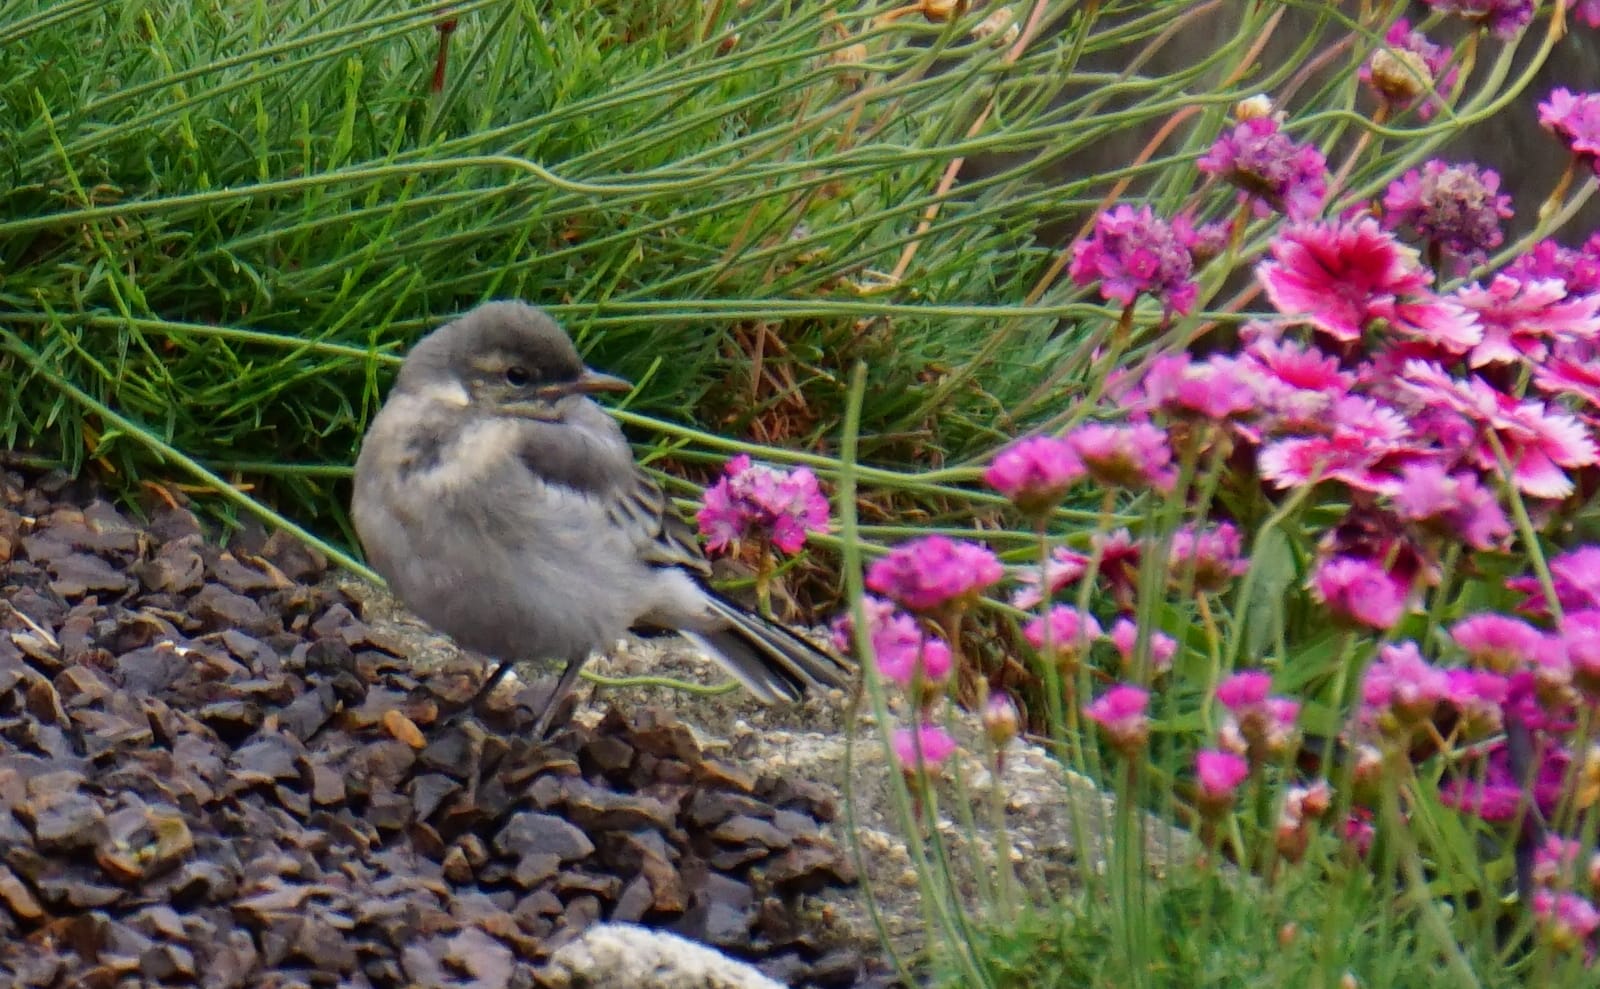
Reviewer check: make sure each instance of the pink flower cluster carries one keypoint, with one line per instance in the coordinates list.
(1271, 170)
(755, 501)
(1575, 120)
(1133, 252)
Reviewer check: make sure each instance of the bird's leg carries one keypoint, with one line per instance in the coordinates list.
(569, 679)
(489, 684)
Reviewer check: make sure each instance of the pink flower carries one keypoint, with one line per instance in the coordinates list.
(1503, 17)
(1297, 384)
(1579, 268)
(1134, 456)
(1125, 637)
(1367, 442)
(1212, 552)
(1580, 636)
(1555, 862)
(781, 506)
(1401, 690)
(1269, 168)
(1498, 796)
(1120, 554)
(1455, 206)
(1498, 642)
(1218, 774)
(932, 743)
(1536, 441)
(928, 573)
(1521, 319)
(1578, 378)
(1575, 120)
(905, 652)
(1217, 389)
(1120, 713)
(1339, 277)
(1576, 575)
(1409, 67)
(1479, 697)
(1587, 11)
(1134, 252)
(1258, 724)
(1360, 592)
(1071, 632)
(1567, 920)
(1063, 568)
(1451, 506)
(1206, 240)
(1001, 719)
(1035, 473)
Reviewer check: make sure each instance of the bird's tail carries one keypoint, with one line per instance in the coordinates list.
(772, 662)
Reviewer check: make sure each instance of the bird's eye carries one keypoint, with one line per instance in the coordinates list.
(518, 377)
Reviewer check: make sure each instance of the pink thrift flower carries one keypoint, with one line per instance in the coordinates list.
(1035, 473)
(1567, 920)
(1218, 775)
(929, 745)
(1001, 719)
(1579, 268)
(1360, 592)
(1258, 724)
(1458, 207)
(1120, 554)
(1409, 67)
(931, 572)
(1521, 320)
(1270, 169)
(747, 500)
(1340, 277)
(1502, 17)
(1070, 634)
(1206, 240)
(1135, 456)
(904, 651)
(1120, 713)
(1575, 121)
(1400, 690)
(1537, 442)
(1587, 11)
(1133, 252)
(1498, 642)
(1217, 389)
(1479, 697)
(1062, 569)
(1451, 506)
(1576, 574)
(1555, 862)
(1125, 638)
(1213, 553)
(1580, 636)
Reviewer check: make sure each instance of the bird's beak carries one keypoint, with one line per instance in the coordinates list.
(592, 381)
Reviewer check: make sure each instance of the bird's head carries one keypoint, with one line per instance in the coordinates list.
(504, 358)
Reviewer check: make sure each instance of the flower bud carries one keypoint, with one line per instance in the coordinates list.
(939, 11)
(1001, 720)
(1259, 105)
(1000, 26)
(1399, 74)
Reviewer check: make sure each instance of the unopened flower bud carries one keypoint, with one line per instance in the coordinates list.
(1259, 105)
(939, 11)
(1000, 719)
(1399, 74)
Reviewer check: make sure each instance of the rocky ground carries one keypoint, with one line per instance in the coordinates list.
(215, 771)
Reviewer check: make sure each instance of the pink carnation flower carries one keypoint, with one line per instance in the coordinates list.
(1218, 775)
(928, 573)
(1340, 277)
(1537, 442)
(1366, 443)
(1451, 506)
(1576, 575)
(1297, 384)
(781, 506)
(1218, 388)
(1522, 319)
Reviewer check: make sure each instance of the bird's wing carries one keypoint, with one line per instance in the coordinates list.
(640, 508)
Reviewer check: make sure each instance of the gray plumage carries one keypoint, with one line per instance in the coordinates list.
(504, 507)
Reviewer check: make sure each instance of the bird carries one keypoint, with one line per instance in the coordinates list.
(504, 507)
